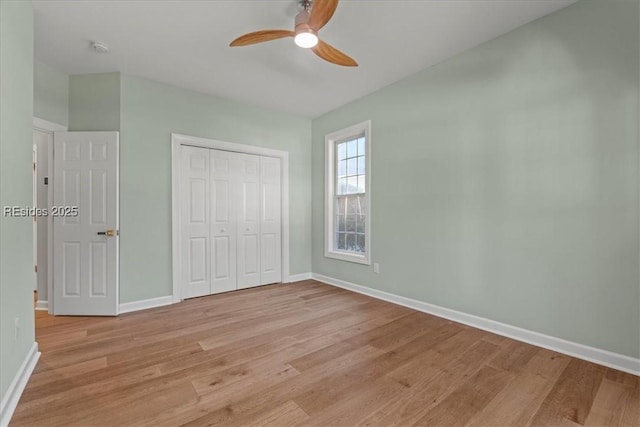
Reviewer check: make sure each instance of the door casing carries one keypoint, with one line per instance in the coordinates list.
(50, 128)
(178, 140)
(35, 217)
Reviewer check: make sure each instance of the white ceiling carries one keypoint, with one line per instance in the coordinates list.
(185, 43)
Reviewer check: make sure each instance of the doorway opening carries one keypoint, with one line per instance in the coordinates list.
(43, 132)
(75, 235)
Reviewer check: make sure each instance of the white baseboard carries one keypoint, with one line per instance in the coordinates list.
(42, 305)
(580, 351)
(11, 398)
(144, 304)
(299, 277)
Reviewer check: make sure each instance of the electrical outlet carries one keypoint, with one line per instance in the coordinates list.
(376, 267)
(16, 324)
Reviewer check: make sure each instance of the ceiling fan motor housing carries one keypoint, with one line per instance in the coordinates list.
(301, 23)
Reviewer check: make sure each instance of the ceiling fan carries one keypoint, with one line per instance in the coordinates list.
(314, 15)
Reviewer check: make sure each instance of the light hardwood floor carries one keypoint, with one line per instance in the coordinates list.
(309, 354)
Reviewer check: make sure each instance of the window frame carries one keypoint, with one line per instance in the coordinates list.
(330, 185)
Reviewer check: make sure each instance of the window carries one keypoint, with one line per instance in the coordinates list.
(347, 205)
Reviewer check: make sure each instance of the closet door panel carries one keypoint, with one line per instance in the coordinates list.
(223, 221)
(194, 214)
(270, 220)
(248, 184)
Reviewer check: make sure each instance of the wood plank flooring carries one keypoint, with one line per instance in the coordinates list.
(307, 354)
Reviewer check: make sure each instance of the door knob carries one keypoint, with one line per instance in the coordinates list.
(108, 233)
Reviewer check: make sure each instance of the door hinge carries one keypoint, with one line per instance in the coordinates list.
(35, 267)
(34, 166)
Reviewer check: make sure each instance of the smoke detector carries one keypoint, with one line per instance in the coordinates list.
(100, 47)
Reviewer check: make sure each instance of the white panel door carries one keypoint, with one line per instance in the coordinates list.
(270, 221)
(248, 179)
(223, 220)
(85, 245)
(195, 222)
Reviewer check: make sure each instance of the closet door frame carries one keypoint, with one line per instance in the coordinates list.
(177, 141)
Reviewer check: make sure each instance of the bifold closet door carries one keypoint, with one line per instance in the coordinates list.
(208, 221)
(195, 218)
(231, 221)
(259, 221)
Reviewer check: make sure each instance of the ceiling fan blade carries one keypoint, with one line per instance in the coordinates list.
(331, 54)
(321, 12)
(261, 36)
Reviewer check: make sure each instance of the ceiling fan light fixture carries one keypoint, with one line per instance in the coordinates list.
(306, 39)
(314, 15)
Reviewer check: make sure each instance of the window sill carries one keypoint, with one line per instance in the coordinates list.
(348, 256)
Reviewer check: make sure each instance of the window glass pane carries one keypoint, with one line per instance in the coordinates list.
(360, 243)
(341, 241)
(340, 205)
(351, 223)
(361, 165)
(362, 203)
(360, 227)
(352, 148)
(352, 184)
(351, 242)
(340, 223)
(342, 168)
(352, 166)
(361, 146)
(342, 186)
(361, 184)
(352, 205)
(342, 150)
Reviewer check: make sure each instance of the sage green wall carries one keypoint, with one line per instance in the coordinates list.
(505, 180)
(50, 94)
(94, 102)
(150, 112)
(17, 279)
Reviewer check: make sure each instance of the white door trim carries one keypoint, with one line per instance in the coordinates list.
(49, 127)
(34, 223)
(178, 140)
